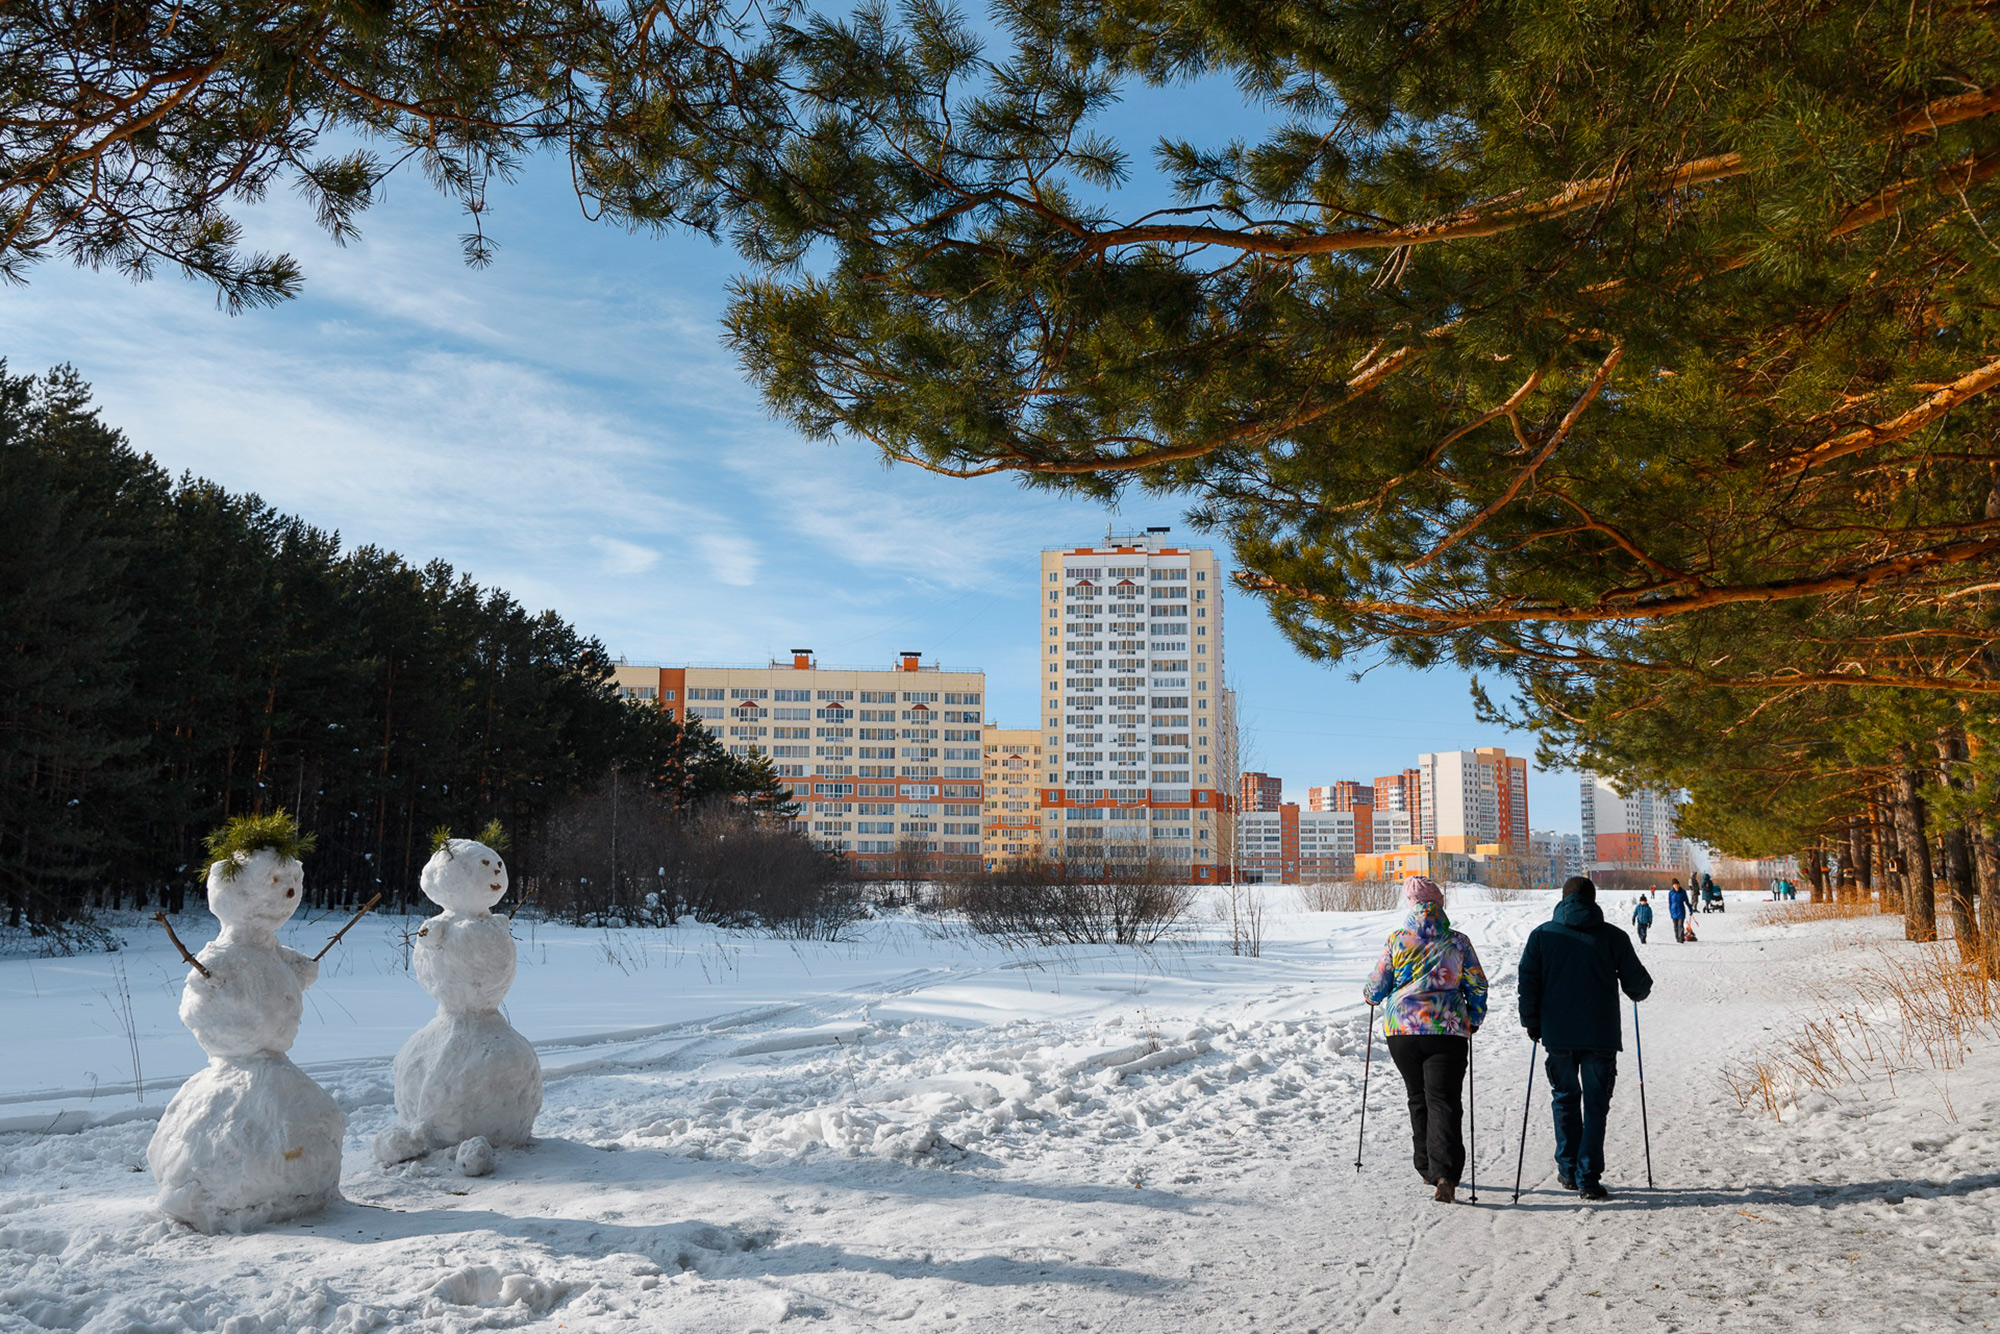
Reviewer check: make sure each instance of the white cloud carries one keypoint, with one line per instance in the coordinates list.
(622, 557)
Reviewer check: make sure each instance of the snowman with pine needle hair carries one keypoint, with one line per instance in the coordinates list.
(251, 1139)
(466, 1079)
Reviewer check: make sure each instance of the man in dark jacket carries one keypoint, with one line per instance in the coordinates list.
(1571, 973)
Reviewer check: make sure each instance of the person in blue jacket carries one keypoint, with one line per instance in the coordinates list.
(1642, 917)
(1572, 970)
(1677, 909)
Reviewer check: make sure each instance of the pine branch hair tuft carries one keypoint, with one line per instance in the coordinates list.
(243, 835)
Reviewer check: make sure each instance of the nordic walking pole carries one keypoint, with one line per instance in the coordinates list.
(1639, 1049)
(1472, 1115)
(1525, 1103)
(1366, 1062)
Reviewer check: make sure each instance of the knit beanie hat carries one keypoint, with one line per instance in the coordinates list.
(1419, 889)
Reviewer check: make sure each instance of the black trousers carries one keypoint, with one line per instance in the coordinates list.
(1433, 1069)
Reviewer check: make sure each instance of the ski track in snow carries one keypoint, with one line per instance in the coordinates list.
(1075, 1140)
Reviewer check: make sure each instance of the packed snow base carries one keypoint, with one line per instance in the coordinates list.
(913, 1132)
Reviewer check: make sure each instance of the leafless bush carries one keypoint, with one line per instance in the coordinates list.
(1349, 896)
(1242, 911)
(612, 858)
(1071, 903)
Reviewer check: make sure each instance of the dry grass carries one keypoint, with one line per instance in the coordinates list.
(1350, 896)
(1797, 910)
(1912, 1010)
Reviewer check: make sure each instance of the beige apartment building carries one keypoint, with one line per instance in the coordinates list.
(1473, 797)
(1017, 773)
(1134, 715)
(885, 763)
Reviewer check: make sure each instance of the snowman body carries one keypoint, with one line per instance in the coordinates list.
(251, 1139)
(467, 1073)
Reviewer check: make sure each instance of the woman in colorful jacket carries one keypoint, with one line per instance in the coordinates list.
(1436, 994)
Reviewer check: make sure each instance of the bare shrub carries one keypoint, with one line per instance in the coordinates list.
(1072, 903)
(1350, 896)
(610, 858)
(1242, 911)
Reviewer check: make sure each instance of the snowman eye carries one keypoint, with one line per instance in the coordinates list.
(484, 862)
(290, 892)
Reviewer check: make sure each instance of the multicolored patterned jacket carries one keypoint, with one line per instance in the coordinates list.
(1431, 978)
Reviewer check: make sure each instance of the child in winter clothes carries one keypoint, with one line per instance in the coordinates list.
(1642, 917)
(1436, 993)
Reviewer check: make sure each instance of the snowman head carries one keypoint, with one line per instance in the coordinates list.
(464, 876)
(255, 891)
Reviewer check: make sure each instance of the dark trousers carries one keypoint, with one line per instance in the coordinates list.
(1433, 1069)
(1580, 1084)
(1642, 928)
(1680, 929)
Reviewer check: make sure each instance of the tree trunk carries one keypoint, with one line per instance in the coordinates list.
(1919, 901)
(1886, 880)
(1849, 886)
(1815, 865)
(1957, 848)
(1986, 863)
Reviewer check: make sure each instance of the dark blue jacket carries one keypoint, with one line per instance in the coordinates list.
(1571, 973)
(1642, 915)
(1677, 903)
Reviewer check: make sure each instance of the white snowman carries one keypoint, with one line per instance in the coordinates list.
(467, 1075)
(250, 1139)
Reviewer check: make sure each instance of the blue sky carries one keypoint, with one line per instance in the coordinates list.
(567, 425)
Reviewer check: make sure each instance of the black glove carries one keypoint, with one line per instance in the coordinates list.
(1534, 1035)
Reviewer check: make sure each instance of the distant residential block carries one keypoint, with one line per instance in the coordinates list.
(886, 763)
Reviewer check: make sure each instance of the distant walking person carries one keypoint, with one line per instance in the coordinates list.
(1436, 993)
(1642, 918)
(1571, 974)
(1677, 909)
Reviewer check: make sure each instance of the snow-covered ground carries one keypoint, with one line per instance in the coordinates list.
(915, 1130)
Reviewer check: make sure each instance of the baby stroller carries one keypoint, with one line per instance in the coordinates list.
(1711, 897)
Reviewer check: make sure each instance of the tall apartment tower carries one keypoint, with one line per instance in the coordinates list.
(1261, 792)
(1470, 797)
(1635, 828)
(1403, 792)
(885, 764)
(1134, 716)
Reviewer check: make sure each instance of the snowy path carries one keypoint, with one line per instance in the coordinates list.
(930, 1133)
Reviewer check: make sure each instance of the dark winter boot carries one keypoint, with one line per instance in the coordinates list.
(1445, 1191)
(1593, 1191)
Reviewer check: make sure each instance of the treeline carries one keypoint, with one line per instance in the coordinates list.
(172, 654)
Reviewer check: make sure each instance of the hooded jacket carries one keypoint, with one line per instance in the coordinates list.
(1572, 970)
(1431, 978)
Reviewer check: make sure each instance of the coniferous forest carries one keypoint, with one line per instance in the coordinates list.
(172, 654)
